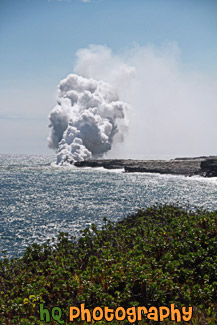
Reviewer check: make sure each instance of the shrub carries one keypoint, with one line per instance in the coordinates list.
(158, 256)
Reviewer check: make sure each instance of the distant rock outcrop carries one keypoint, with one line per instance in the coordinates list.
(209, 167)
(203, 166)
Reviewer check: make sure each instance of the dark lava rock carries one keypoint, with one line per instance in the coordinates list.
(209, 167)
(176, 167)
(203, 166)
(106, 163)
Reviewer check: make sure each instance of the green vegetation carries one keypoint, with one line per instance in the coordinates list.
(158, 256)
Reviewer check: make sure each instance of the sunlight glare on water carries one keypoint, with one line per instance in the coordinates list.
(37, 201)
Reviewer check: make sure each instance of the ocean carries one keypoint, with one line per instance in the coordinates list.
(38, 200)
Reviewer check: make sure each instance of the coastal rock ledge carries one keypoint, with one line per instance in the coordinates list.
(203, 166)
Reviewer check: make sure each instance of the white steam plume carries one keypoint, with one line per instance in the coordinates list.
(87, 119)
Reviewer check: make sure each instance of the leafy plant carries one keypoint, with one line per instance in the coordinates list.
(156, 257)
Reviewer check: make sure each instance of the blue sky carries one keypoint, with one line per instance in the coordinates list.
(39, 39)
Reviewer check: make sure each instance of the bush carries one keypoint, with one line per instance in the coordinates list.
(156, 257)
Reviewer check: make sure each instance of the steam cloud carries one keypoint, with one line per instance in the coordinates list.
(87, 119)
(174, 108)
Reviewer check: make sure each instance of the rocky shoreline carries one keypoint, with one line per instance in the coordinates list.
(202, 166)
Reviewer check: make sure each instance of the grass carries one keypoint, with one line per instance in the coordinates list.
(156, 257)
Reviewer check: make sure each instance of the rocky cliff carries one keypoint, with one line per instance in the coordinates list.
(203, 166)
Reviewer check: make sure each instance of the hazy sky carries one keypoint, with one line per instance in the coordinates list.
(172, 44)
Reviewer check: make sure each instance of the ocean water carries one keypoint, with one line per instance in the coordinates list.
(39, 200)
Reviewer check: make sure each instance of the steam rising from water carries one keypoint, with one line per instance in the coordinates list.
(87, 119)
(174, 109)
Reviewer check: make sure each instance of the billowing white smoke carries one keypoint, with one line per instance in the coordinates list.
(85, 121)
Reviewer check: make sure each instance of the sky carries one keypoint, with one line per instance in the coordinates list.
(170, 44)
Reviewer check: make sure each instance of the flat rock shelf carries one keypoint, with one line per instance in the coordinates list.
(203, 166)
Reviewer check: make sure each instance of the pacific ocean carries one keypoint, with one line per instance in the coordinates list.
(39, 200)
